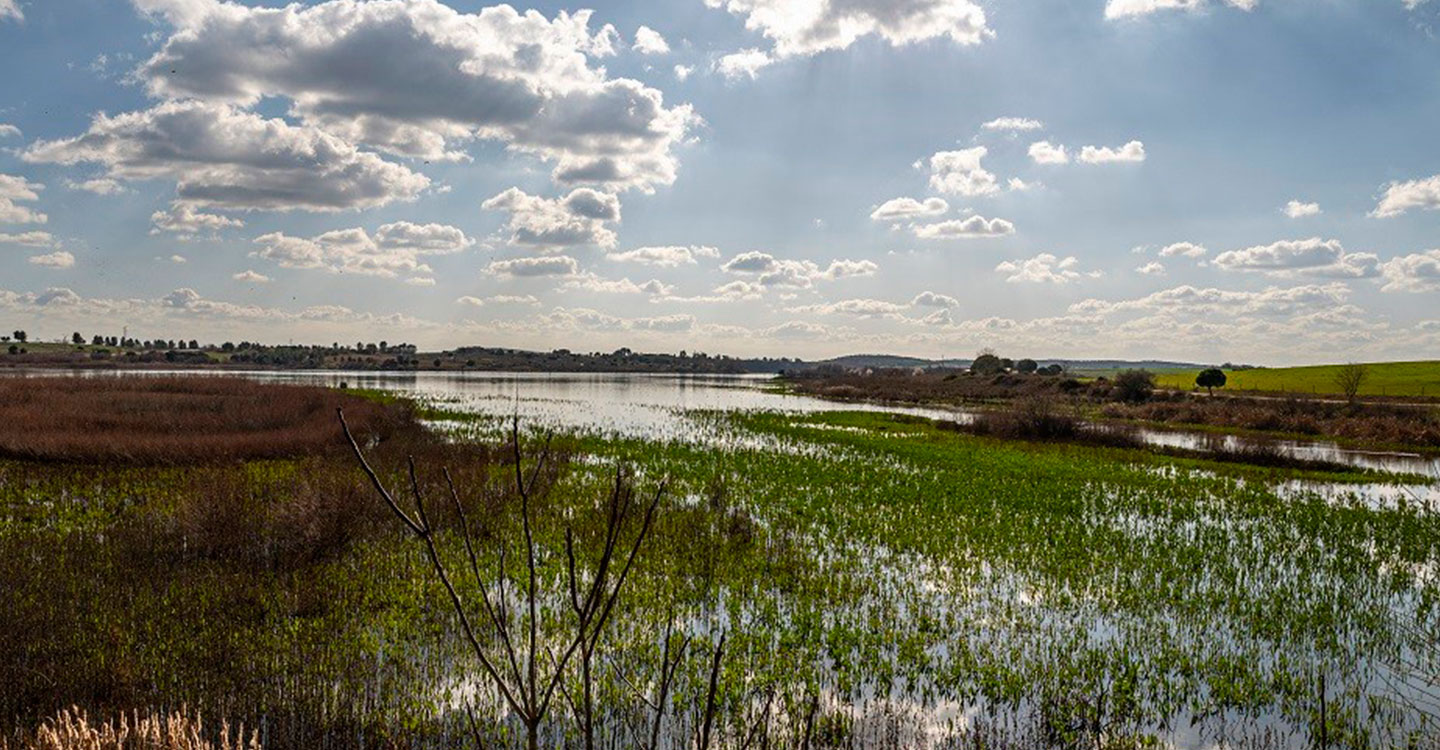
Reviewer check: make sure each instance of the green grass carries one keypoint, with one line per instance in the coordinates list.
(1382, 379)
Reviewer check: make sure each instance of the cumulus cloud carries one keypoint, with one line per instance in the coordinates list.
(1045, 152)
(13, 189)
(351, 67)
(746, 63)
(683, 72)
(1153, 268)
(186, 220)
(1187, 299)
(1402, 196)
(28, 239)
(813, 27)
(770, 271)
(1298, 209)
(1013, 124)
(1186, 249)
(960, 172)
(6, 129)
(665, 256)
(10, 9)
(225, 158)
(551, 223)
(498, 299)
(1043, 269)
(589, 282)
(98, 186)
(934, 299)
(974, 226)
(548, 265)
(650, 42)
(897, 209)
(1134, 151)
(251, 277)
(860, 308)
(394, 249)
(1312, 257)
(57, 259)
(1413, 273)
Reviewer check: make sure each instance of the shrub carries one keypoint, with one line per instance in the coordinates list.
(71, 729)
(1134, 386)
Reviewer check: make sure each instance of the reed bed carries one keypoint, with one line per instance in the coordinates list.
(176, 420)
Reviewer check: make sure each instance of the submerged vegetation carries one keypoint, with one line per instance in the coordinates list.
(841, 579)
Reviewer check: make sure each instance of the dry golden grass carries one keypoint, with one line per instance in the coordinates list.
(72, 729)
(175, 420)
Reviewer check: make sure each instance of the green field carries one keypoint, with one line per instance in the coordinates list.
(1382, 379)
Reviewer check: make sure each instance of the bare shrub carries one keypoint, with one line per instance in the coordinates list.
(1350, 378)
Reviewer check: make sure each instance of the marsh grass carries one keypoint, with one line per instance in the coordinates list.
(176, 420)
(72, 729)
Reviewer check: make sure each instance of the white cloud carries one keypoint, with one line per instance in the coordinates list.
(98, 186)
(1312, 257)
(186, 220)
(395, 249)
(1186, 249)
(225, 158)
(251, 277)
(1271, 302)
(1153, 268)
(549, 223)
(960, 172)
(548, 265)
(934, 299)
(1298, 210)
(1115, 9)
(650, 42)
(1134, 151)
(908, 208)
(665, 256)
(747, 63)
(28, 239)
(589, 282)
(179, 259)
(6, 129)
(1413, 273)
(1402, 196)
(683, 72)
(1013, 123)
(351, 67)
(9, 9)
(1043, 269)
(798, 274)
(860, 308)
(15, 188)
(57, 259)
(974, 226)
(498, 299)
(806, 28)
(1045, 152)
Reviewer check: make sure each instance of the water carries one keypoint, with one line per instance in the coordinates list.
(661, 406)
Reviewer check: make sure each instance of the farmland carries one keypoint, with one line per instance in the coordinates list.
(1381, 379)
(887, 584)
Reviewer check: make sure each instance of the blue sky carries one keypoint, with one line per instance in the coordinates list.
(1207, 180)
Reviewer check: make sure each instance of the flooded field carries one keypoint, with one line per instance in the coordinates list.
(818, 578)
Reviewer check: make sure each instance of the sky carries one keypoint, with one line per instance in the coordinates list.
(1199, 180)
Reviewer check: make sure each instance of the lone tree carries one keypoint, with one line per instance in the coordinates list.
(1026, 366)
(1349, 378)
(1211, 379)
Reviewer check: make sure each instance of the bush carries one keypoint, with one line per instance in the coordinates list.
(1133, 386)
